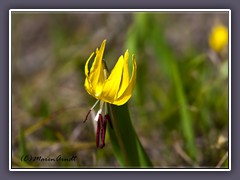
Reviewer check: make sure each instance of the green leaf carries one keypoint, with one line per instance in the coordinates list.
(22, 142)
(126, 145)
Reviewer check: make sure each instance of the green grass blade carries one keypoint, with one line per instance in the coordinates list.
(187, 124)
(22, 143)
(167, 59)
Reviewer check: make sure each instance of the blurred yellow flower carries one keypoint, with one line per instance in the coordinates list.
(218, 38)
(115, 88)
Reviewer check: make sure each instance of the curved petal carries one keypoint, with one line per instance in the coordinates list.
(88, 87)
(125, 76)
(87, 83)
(96, 76)
(111, 85)
(128, 92)
(86, 65)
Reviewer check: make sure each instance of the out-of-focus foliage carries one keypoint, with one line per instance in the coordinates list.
(180, 103)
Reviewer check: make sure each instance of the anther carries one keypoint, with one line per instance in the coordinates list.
(87, 116)
(109, 120)
(99, 125)
(103, 132)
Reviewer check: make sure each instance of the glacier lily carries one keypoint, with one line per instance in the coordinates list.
(114, 88)
(218, 38)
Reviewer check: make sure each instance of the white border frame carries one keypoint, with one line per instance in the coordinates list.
(121, 10)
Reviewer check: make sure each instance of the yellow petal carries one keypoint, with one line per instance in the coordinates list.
(111, 85)
(88, 87)
(86, 65)
(96, 76)
(125, 76)
(87, 83)
(128, 92)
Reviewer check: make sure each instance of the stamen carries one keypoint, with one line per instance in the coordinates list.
(101, 104)
(98, 130)
(105, 108)
(99, 111)
(90, 111)
(103, 132)
(107, 117)
(97, 135)
(87, 116)
(97, 115)
(94, 105)
(101, 123)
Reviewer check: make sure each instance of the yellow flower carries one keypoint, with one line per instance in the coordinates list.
(115, 88)
(218, 38)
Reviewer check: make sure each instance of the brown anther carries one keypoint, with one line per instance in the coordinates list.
(101, 129)
(103, 132)
(109, 120)
(87, 116)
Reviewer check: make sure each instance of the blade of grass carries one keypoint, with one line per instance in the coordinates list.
(186, 120)
(22, 143)
(150, 32)
(166, 57)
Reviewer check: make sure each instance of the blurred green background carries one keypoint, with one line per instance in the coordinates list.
(179, 106)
